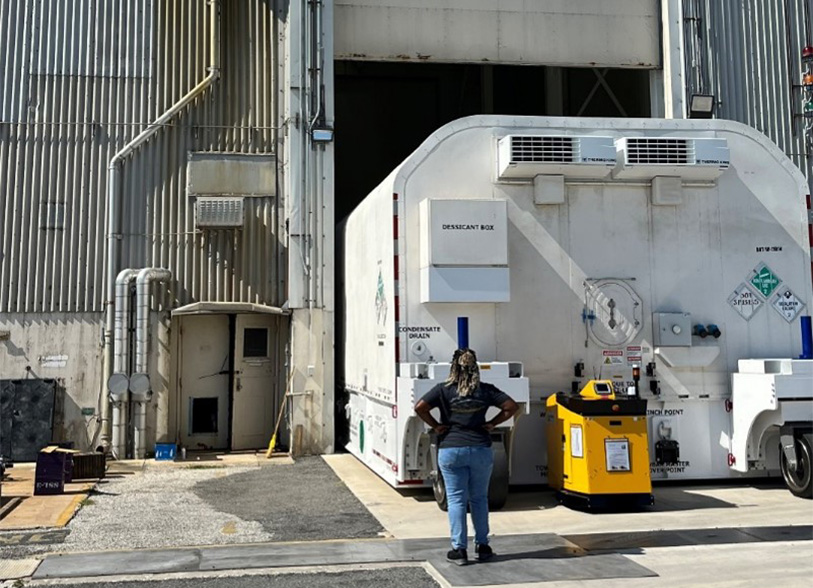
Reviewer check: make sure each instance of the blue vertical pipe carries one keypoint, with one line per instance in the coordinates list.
(807, 339)
(462, 332)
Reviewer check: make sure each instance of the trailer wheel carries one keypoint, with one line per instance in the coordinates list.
(439, 489)
(498, 486)
(799, 480)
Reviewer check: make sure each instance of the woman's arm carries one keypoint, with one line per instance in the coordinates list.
(507, 410)
(422, 409)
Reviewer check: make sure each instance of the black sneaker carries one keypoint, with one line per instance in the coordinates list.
(458, 556)
(483, 552)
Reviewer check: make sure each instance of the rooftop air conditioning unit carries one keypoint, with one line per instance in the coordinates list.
(218, 212)
(523, 157)
(643, 158)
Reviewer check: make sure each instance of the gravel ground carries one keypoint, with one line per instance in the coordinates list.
(303, 502)
(213, 505)
(401, 577)
(156, 508)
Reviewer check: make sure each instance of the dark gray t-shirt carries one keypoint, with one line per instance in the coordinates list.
(465, 415)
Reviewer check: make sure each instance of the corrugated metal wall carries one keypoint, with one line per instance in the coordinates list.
(748, 54)
(82, 78)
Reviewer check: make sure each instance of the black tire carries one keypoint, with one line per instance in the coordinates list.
(799, 480)
(498, 486)
(439, 489)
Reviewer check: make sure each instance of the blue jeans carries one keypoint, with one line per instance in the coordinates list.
(467, 472)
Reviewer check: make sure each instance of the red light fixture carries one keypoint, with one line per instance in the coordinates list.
(807, 52)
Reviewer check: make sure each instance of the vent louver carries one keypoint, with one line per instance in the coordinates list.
(523, 157)
(660, 151)
(535, 149)
(218, 212)
(686, 158)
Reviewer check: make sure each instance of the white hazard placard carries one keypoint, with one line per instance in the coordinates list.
(745, 301)
(787, 304)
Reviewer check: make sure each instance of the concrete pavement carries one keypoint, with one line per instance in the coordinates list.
(720, 535)
(412, 513)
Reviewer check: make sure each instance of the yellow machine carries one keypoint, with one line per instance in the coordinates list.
(597, 446)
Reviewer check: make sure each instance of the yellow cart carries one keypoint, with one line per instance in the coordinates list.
(598, 452)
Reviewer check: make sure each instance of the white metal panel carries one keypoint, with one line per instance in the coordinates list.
(231, 173)
(369, 255)
(465, 284)
(463, 232)
(622, 33)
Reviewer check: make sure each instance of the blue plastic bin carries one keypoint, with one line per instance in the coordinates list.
(164, 451)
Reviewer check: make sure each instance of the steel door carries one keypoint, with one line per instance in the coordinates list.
(204, 383)
(254, 367)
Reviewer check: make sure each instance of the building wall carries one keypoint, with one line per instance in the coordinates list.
(83, 78)
(748, 55)
(80, 80)
(47, 347)
(621, 33)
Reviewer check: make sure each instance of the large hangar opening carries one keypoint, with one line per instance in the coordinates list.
(385, 110)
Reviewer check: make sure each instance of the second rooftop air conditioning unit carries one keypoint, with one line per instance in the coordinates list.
(523, 157)
(643, 158)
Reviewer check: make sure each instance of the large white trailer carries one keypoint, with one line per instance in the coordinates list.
(579, 248)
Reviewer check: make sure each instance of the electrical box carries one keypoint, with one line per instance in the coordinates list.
(672, 329)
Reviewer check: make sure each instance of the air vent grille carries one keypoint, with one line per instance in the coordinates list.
(659, 151)
(540, 149)
(218, 212)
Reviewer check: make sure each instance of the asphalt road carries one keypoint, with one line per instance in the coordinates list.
(303, 502)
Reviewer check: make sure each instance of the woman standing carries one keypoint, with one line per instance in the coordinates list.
(464, 452)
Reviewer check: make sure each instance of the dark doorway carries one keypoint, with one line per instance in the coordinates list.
(384, 111)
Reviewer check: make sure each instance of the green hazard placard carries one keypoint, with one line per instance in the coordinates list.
(764, 280)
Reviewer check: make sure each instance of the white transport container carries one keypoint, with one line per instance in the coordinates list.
(577, 248)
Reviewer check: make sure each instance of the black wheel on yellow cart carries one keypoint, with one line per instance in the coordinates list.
(799, 480)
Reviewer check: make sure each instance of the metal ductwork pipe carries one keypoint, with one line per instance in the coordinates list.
(118, 382)
(114, 195)
(140, 388)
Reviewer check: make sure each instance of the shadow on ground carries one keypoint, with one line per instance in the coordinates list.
(304, 501)
(667, 499)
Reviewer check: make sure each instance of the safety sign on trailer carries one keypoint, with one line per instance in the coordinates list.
(613, 357)
(617, 452)
(764, 280)
(745, 301)
(787, 304)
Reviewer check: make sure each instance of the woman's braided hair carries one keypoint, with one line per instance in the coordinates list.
(464, 372)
